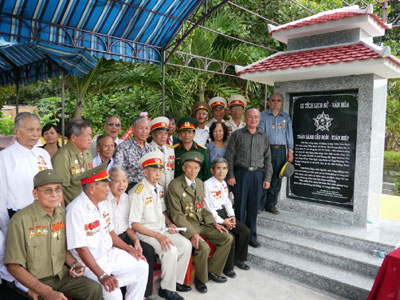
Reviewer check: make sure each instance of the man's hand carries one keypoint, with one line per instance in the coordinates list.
(54, 295)
(164, 241)
(229, 223)
(289, 156)
(195, 239)
(219, 227)
(77, 270)
(135, 253)
(109, 282)
(137, 246)
(172, 228)
(266, 185)
(231, 181)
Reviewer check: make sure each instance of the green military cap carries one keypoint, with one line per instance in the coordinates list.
(287, 170)
(45, 177)
(187, 123)
(94, 175)
(192, 156)
(200, 105)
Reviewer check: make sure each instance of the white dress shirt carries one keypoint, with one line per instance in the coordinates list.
(217, 197)
(119, 212)
(202, 135)
(97, 162)
(18, 166)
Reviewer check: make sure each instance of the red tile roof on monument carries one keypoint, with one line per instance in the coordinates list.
(326, 18)
(307, 58)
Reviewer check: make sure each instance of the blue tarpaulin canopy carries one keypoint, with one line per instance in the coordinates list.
(130, 29)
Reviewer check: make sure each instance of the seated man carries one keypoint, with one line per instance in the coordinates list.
(187, 209)
(219, 204)
(105, 148)
(36, 251)
(92, 240)
(118, 205)
(149, 218)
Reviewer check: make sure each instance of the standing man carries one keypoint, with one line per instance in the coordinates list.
(148, 216)
(201, 112)
(187, 209)
(19, 163)
(236, 103)
(187, 127)
(112, 127)
(36, 253)
(159, 133)
(105, 148)
(278, 126)
(249, 170)
(129, 152)
(74, 158)
(217, 105)
(93, 242)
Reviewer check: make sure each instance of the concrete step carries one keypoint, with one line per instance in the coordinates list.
(341, 283)
(327, 254)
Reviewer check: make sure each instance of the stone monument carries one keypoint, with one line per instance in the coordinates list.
(334, 82)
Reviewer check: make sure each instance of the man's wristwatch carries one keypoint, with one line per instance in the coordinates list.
(133, 240)
(102, 276)
(291, 150)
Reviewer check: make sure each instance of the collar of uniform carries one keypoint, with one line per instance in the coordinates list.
(149, 186)
(157, 146)
(88, 204)
(269, 112)
(72, 148)
(187, 180)
(39, 212)
(216, 181)
(22, 148)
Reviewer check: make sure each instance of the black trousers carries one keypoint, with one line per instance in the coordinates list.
(240, 242)
(13, 293)
(148, 252)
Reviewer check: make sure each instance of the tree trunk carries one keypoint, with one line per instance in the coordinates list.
(201, 93)
(78, 110)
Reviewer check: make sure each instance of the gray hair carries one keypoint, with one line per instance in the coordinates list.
(103, 136)
(19, 119)
(76, 127)
(219, 160)
(116, 168)
(112, 116)
(138, 119)
(249, 108)
(280, 95)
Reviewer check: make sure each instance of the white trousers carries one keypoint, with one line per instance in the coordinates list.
(127, 270)
(174, 262)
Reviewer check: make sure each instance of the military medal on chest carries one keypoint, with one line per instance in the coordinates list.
(56, 229)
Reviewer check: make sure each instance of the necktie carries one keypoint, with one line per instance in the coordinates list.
(155, 190)
(193, 185)
(162, 149)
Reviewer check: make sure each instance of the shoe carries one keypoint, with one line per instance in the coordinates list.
(169, 295)
(200, 286)
(216, 278)
(242, 265)
(273, 211)
(230, 274)
(182, 288)
(254, 244)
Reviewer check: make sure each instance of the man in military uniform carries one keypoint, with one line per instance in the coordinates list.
(187, 209)
(218, 105)
(236, 103)
(278, 126)
(93, 242)
(159, 132)
(36, 251)
(148, 217)
(74, 158)
(187, 127)
(201, 111)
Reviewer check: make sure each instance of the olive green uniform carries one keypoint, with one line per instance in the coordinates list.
(69, 163)
(187, 209)
(37, 242)
(204, 173)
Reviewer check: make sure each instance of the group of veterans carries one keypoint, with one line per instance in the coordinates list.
(93, 216)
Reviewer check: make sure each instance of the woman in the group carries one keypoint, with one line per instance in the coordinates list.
(50, 135)
(218, 135)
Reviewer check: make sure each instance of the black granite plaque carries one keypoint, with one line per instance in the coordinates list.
(325, 134)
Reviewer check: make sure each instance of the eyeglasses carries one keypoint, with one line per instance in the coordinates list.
(114, 124)
(50, 191)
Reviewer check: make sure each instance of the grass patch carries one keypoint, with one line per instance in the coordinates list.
(392, 158)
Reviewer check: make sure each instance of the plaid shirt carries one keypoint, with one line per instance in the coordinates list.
(127, 155)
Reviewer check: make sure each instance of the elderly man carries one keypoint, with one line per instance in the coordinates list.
(74, 158)
(278, 126)
(217, 105)
(236, 103)
(148, 216)
(201, 112)
(187, 209)
(112, 127)
(93, 242)
(36, 253)
(129, 152)
(19, 163)
(105, 148)
(187, 127)
(159, 132)
(249, 170)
